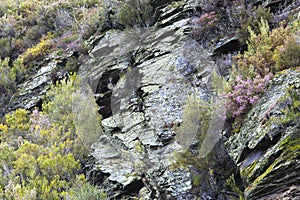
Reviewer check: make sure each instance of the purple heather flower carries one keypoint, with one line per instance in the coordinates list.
(252, 100)
(236, 113)
(238, 99)
(35, 113)
(238, 78)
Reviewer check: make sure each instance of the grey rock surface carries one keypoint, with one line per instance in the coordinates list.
(266, 148)
(142, 78)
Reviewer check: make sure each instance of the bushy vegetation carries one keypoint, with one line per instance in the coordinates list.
(58, 16)
(42, 151)
(11, 75)
(218, 19)
(268, 53)
(136, 13)
(31, 30)
(87, 192)
(246, 19)
(33, 54)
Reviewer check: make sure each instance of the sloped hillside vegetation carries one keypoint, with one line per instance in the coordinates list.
(140, 99)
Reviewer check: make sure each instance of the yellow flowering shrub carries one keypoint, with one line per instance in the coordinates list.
(38, 51)
(41, 151)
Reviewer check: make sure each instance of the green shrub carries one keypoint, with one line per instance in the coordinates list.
(248, 19)
(202, 121)
(269, 51)
(38, 51)
(24, 26)
(5, 48)
(87, 191)
(41, 152)
(287, 55)
(7, 156)
(42, 156)
(136, 13)
(196, 180)
(10, 76)
(264, 48)
(231, 183)
(7, 78)
(33, 34)
(71, 104)
(16, 126)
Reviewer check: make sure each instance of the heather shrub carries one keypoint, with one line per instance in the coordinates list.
(260, 49)
(68, 38)
(269, 51)
(24, 26)
(23, 33)
(245, 92)
(264, 48)
(204, 24)
(68, 42)
(92, 20)
(249, 18)
(233, 19)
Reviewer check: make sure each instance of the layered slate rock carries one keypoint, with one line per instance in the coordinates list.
(141, 79)
(266, 148)
(30, 93)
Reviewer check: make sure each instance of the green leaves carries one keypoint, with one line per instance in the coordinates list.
(136, 13)
(268, 51)
(41, 152)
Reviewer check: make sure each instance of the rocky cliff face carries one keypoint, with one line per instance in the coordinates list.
(142, 84)
(265, 148)
(141, 79)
